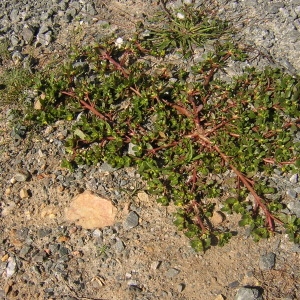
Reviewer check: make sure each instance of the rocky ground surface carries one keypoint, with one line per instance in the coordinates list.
(141, 255)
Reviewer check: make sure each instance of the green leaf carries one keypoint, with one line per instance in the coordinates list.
(79, 133)
(197, 245)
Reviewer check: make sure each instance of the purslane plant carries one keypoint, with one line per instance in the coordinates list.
(179, 126)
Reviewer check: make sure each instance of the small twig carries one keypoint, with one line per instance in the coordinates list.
(198, 219)
(93, 110)
(152, 151)
(105, 55)
(87, 106)
(210, 131)
(180, 109)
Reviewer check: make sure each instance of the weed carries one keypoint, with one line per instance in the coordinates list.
(179, 125)
(14, 82)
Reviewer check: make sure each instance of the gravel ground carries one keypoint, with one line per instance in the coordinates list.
(141, 256)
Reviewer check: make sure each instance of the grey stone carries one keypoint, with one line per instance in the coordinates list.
(97, 233)
(63, 251)
(44, 16)
(105, 167)
(90, 8)
(267, 261)
(14, 15)
(22, 176)
(22, 233)
(172, 272)
(119, 245)
(54, 248)
(294, 207)
(155, 265)
(130, 149)
(17, 57)
(24, 251)
(234, 284)
(44, 232)
(180, 287)
(39, 257)
(248, 293)
(131, 221)
(294, 178)
(44, 39)
(274, 8)
(291, 193)
(27, 35)
(11, 267)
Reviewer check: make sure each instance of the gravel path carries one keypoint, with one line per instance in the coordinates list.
(141, 256)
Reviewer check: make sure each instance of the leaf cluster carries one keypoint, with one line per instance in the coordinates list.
(177, 131)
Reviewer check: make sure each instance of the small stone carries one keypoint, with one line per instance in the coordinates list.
(17, 57)
(267, 261)
(291, 193)
(63, 239)
(39, 257)
(14, 15)
(21, 176)
(131, 221)
(217, 218)
(11, 267)
(43, 29)
(220, 297)
(294, 178)
(119, 246)
(22, 233)
(24, 194)
(234, 284)
(7, 191)
(130, 149)
(37, 104)
(97, 233)
(43, 39)
(44, 232)
(143, 197)
(24, 251)
(248, 293)
(91, 211)
(294, 207)
(155, 265)
(180, 287)
(172, 272)
(63, 251)
(27, 35)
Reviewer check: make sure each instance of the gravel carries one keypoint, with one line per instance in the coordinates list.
(141, 256)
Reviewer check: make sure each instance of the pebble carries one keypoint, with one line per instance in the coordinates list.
(119, 246)
(294, 178)
(172, 272)
(24, 251)
(44, 232)
(234, 284)
(248, 293)
(21, 176)
(131, 221)
(294, 207)
(155, 265)
(180, 287)
(267, 261)
(23, 194)
(217, 218)
(291, 193)
(11, 267)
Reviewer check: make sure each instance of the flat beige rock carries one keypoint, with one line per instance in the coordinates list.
(90, 211)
